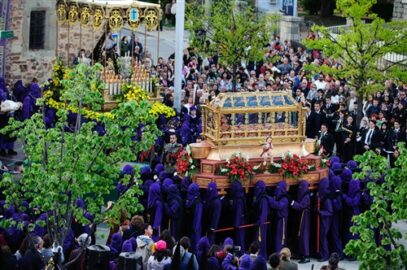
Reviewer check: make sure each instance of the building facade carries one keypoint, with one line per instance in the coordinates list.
(400, 10)
(39, 39)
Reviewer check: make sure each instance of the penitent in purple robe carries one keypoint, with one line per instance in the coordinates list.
(261, 204)
(325, 213)
(194, 203)
(212, 208)
(302, 204)
(238, 208)
(279, 202)
(29, 103)
(173, 209)
(352, 202)
(336, 191)
(155, 209)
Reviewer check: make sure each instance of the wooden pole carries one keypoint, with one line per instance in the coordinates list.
(56, 38)
(158, 43)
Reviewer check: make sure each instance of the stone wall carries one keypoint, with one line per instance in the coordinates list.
(400, 10)
(25, 64)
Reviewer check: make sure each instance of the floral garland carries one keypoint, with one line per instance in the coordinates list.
(184, 163)
(130, 92)
(291, 165)
(237, 168)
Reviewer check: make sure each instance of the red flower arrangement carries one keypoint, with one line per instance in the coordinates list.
(237, 167)
(291, 165)
(184, 162)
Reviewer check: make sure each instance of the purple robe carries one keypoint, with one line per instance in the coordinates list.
(6, 142)
(352, 165)
(190, 130)
(302, 204)
(116, 244)
(261, 204)
(194, 203)
(238, 208)
(186, 181)
(325, 213)
(259, 263)
(336, 191)
(173, 209)
(336, 169)
(279, 202)
(127, 246)
(19, 91)
(346, 177)
(155, 209)
(228, 263)
(212, 208)
(245, 262)
(145, 187)
(202, 251)
(41, 230)
(352, 202)
(29, 103)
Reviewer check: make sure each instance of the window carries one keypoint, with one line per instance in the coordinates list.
(37, 30)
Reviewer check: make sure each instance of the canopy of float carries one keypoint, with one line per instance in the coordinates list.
(118, 3)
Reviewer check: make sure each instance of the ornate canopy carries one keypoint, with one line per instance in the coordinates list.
(118, 13)
(249, 118)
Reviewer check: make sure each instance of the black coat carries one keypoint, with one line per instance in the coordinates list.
(314, 122)
(328, 142)
(374, 140)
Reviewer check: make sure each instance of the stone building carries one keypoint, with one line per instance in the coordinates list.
(38, 39)
(400, 10)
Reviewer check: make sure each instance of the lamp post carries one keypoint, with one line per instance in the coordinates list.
(179, 46)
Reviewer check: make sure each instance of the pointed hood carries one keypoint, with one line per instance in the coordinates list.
(245, 262)
(335, 159)
(116, 243)
(35, 90)
(162, 175)
(127, 246)
(202, 248)
(146, 186)
(323, 189)
(302, 189)
(236, 190)
(259, 191)
(145, 173)
(228, 242)
(173, 193)
(352, 165)
(335, 183)
(154, 194)
(336, 168)
(166, 184)
(211, 192)
(281, 190)
(354, 188)
(346, 175)
(193, 195)
(159, 168)
(128, 169)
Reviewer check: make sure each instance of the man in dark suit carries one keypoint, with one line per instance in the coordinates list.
(309, 124)
(399, 135)
(280, 117)
(318, 118)
(330, 112)
(371, 137)
(326, 141)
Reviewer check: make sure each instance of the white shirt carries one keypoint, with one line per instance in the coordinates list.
(369, 135)
(320, 85)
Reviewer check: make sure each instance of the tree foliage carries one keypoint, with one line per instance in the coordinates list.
(73, 161)
(234, 34)
(360, 46)
(378, 245)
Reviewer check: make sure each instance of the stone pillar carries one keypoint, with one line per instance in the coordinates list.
(290, 28)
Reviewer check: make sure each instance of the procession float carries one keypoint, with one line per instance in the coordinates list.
(122, 72)
(255, 136)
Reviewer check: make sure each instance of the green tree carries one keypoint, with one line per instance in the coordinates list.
(63, 166)
(388, 208)
(232, 33)
(359, 48)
